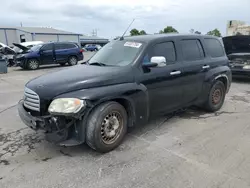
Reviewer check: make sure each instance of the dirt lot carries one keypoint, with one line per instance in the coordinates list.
(190, 149)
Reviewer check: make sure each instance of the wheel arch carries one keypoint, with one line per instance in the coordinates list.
(224, 79)
(126, 103)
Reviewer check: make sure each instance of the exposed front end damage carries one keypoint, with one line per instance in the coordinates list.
(58, 129)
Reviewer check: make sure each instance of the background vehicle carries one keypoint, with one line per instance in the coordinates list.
(238, 52)
(50, 53)
(123, 85)
(24, 46)
(92, 47)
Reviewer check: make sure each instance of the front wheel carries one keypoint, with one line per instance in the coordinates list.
(106, 127)
(72, 60)
(32, 64)
(216, 97)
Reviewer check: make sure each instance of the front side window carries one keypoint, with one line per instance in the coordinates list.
(117, 53)
(164, 49)
(192, 50)
(47, 47)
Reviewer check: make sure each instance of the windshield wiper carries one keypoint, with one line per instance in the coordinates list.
(97, 63)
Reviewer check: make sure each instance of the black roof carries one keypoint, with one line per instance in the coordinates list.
(149, 38)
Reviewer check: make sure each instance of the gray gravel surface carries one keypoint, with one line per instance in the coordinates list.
(189, 149)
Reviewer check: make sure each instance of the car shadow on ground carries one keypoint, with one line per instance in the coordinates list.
(34, 143)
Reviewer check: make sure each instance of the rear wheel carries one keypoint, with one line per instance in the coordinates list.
(106, 127)
(72, 60)
(32, 64)
(216, 97)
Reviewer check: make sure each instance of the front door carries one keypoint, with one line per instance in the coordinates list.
(164, 83)
(47, 54)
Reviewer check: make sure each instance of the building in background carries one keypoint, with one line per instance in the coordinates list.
(236, 27)
(93, 40)
(9, 35)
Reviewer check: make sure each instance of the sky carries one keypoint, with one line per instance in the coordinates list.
(111, 17)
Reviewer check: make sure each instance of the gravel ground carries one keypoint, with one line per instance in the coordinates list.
(190, 149)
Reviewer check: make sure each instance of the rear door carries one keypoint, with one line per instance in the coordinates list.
(194, 67)
(64, 50)
(47, 54)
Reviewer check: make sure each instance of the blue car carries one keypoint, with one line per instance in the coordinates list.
(91, 47)
(49, 53)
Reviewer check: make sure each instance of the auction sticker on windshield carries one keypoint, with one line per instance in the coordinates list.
(133, 44)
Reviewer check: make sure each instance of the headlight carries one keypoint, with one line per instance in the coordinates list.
(246, 67)
(66, 105)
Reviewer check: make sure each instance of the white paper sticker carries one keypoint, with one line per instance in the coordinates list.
(133, 44)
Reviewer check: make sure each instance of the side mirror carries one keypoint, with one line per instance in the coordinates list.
(159, 60)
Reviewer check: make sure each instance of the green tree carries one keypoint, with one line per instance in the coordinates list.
(134, 32)
(168, 29)
(214, 32)
(142, 32)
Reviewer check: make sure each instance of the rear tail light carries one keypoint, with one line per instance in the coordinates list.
(81, 50)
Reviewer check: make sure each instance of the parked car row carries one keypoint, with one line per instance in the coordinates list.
(30, 55)
(50, 53)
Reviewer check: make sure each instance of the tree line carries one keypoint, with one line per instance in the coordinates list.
(170, 29)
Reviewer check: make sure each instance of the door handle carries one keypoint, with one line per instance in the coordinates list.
(206, 67)
(175, 73)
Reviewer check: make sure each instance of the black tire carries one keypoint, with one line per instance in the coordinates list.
(72, 60)
(97, 127)
(32, 64)
(62, 64)
(216, 97)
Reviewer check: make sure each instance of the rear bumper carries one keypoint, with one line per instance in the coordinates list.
(80, 57)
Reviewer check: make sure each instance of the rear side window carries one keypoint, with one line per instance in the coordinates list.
(192, 49)
(47, 47)
(214, 47)
(165, 49)
(61, 46)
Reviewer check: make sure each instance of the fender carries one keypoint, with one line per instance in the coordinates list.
(135, 94)
(211, 76)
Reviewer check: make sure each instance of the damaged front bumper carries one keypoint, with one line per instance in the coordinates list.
(58, 129)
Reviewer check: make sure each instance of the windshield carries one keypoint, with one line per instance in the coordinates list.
(36, 48)
(117, 53)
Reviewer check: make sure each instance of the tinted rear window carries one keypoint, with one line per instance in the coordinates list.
(60, 46)
(192, 49)
(215, 48)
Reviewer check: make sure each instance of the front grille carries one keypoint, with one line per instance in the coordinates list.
(31, 100)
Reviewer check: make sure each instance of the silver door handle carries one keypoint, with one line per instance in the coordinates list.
(175, 72)
(206, 67)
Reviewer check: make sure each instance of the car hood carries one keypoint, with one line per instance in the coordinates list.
(24, 48)
(78, 77)
(237, 44)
